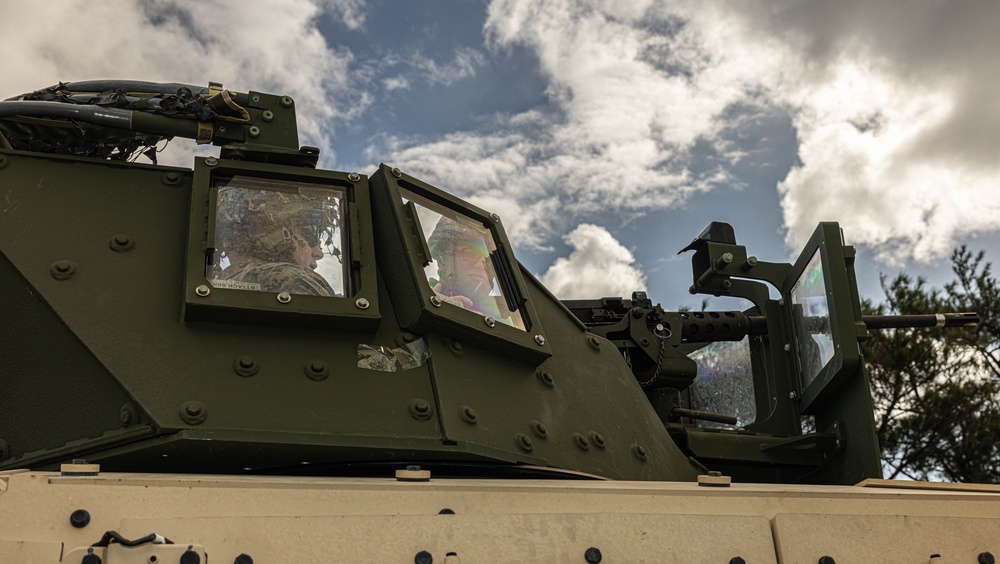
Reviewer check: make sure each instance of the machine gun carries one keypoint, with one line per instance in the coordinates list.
(715, 369)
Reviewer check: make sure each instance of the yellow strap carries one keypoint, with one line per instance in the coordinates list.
(227, 97)
(204, 132)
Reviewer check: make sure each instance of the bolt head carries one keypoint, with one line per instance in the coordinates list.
(284, 297)
(435, 301)
(540, 340)
(397, 173)
(354, 177)
(495, 218)
(490, 322)
(212, 161)
(203, 290)
(362, 303)
(79, 518)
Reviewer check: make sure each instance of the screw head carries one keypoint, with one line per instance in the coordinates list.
(362, 303)
(539, 429)
(286, 101)
(727, 284)
(546, 378)
(284, 297)
(126, 415)
(246, 366)
(62, 269)
(490, 322)
(397, 173)
(593, 555)
(254, 131)
(203, 290)
(79, 518)
(524, 442)
(435, 301)
(354, 177)
(639, 452)
(495, 217)
(268, 115)
(212, 161)
(540, 340)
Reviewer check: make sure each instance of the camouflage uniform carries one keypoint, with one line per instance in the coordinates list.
(274, 277)
(260, 230)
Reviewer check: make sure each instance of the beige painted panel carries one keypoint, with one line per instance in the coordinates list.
(896, 539)
(474, 538)
(29, 551)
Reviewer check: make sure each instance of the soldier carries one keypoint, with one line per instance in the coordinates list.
(271, 240)
(465, 272)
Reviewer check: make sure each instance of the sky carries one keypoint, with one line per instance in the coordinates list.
(606, 134)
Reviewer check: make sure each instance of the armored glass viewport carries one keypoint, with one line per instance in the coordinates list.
(811, 318)
(279, 236)
(464, 269)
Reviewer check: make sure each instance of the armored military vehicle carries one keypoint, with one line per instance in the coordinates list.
(255, 360)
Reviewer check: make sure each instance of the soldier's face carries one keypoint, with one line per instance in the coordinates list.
(305, 254)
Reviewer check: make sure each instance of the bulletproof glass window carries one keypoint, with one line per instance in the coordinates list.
(811, 318)
(279, 236)
(464, 268)
(725, 382)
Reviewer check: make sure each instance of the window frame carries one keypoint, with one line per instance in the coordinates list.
(357, 310)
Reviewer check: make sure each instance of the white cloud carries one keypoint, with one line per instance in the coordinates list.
(270, 47)
(463, 65)
(893, 107)
(598, 266)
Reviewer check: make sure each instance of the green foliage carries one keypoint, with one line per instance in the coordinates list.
(937, 391)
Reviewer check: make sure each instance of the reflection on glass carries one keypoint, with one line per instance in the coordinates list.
(278, 236)
(811, 316)
(724, 384)
(462, 270)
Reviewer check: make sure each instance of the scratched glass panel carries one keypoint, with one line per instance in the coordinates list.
(724, 384)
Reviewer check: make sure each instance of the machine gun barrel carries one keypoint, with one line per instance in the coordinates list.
(968, 319)
(711, 326)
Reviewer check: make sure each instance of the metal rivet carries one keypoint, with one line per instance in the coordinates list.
(203, 290)
(127, 415)
(212, 161)
(62, 269)
(490, 322)
(284, 297)
(639, 452)
(435, 301)
(546, 378)
(171, 179)
(581, 441)
(286, 101)
(397, 173)
(420, 409)
(524, 442)
(597, 439)
(193, 412)
(354, 177)
(495, 218)
(246, 366)
(362, 303)
(540, 340)
(468, 414)
(121, 243)
(79, 518)
(539, 429)
(268, 115)
(593, 555)
(594, 342)
(316, 370)
(254, 131)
